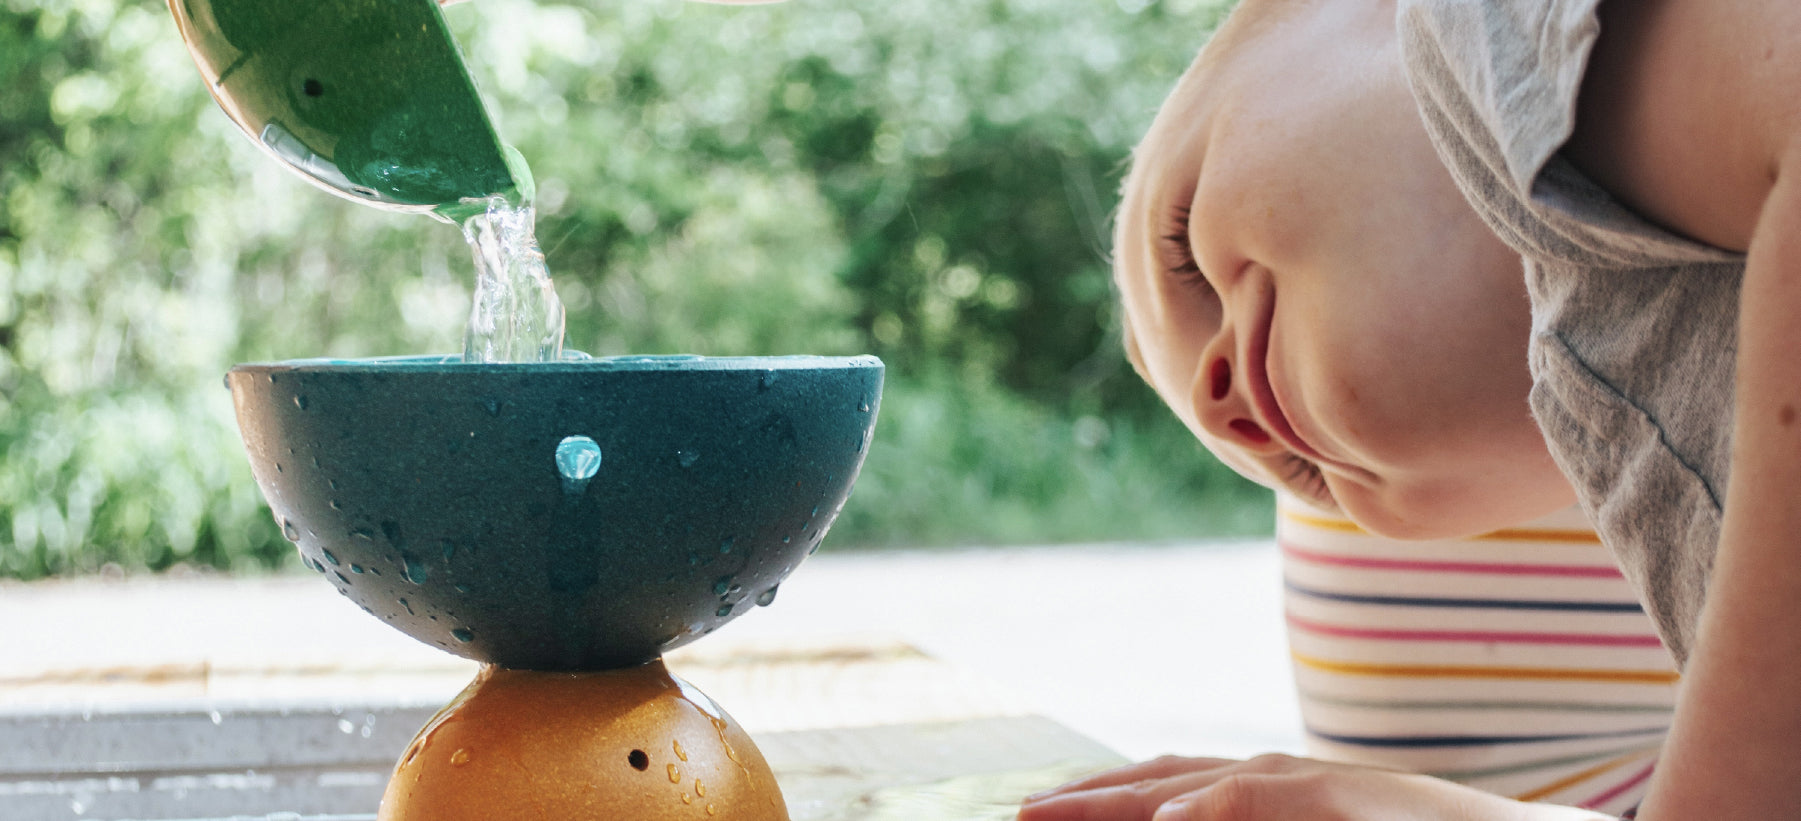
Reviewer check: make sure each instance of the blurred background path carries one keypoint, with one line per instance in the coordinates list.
(1145, 648)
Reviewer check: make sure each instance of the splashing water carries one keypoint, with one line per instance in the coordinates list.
(517, 316)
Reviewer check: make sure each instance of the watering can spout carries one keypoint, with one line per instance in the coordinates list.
(368, 99)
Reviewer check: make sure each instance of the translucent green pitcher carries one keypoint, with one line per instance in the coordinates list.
(369, 99)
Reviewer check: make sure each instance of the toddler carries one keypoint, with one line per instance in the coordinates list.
(1448, 265)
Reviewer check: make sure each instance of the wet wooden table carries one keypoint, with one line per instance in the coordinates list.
(229, 727)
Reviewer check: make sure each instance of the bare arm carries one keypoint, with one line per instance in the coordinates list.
(1688, 114)
(1735, 750)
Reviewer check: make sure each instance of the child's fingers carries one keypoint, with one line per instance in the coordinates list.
(1156, 768)
(1135, 801)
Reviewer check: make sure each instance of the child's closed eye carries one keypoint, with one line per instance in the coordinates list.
(1304, 478)
(1178, 254)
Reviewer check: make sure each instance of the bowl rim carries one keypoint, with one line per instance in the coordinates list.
(454, 364)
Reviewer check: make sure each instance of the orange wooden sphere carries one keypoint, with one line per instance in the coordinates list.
(635, 744)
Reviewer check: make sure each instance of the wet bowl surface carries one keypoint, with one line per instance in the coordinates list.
(575, 515)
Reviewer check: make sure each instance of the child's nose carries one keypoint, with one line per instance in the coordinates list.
(1240, 428)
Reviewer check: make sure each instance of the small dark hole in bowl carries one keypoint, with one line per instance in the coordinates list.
(639, 760)
(312, 87)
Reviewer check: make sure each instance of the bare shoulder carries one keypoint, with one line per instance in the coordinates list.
(1690, 108)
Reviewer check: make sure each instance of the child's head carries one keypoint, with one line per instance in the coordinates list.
(1346, 326)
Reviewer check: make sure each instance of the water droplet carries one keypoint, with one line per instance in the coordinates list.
(725, 546)
(700, 789)
(413, 569)
(492, 404)
(329, 557)
(463, 634)
(578, 459)
(362, 533)
(711, 810)
(687, 458)
(723, 611)
(335, 505)
(357, 569)
(279, 468)
(216, 717)
(346, 726)
(763, 382)
(300, 401)
(767, 597)
(722, 585)
(679, 752)
(462, 588)
(290, 531)
(787, 539)
(687, 799)
(390, 530)
(675, 774)
(408, 606)
(331, 483)
(863, 406)
(450, 549)
(459, 758)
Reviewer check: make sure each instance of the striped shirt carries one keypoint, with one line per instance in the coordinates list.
(1519, 662)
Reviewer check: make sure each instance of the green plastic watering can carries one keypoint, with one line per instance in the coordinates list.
(368, 99)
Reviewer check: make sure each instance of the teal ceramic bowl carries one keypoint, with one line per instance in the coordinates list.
(575, 515)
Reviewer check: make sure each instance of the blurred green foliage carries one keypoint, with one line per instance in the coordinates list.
(927, 181)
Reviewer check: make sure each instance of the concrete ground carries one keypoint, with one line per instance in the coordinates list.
(1145, 648)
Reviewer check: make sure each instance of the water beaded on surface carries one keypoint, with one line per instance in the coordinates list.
(517, 316)
(578, 458)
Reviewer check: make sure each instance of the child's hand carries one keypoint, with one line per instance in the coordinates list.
(1276, 788)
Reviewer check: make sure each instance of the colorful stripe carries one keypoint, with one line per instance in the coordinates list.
(1567, 782)
(1631, 783)
(1441, 705)
(1581, 571)
(1466, 603)
(1353, 668)
(1475, 636)
(1511, 534)
(1627, 753)
(1475, 740)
